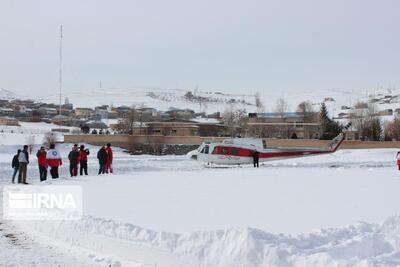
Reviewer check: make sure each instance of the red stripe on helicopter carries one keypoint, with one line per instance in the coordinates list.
(244, 152)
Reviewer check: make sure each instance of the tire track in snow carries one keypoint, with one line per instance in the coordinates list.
(18, 248)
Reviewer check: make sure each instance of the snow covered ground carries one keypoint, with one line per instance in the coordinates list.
(28, 133)
(170, 211)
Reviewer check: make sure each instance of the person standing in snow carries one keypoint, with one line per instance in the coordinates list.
(103, 157)
(83, 154)
(23, 159)
(42, 162)
(256, 157)
(109, 168)
(15, 165)
(73, 157)
(398, 160)
(54, 161)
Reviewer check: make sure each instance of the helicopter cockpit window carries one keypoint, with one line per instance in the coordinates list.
(206, 149)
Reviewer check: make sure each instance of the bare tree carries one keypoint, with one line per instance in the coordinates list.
(306, 110)
(392, 130)
(235, 119)
(259, 103)
(127, 124)
(361, 105)
(263, 131)
(365, 121)
(49, 138)
(30, 141)
(281, 107)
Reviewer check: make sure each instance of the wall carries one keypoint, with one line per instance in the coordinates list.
(127, 140)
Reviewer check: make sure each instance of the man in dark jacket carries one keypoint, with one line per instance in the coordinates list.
(23, 159)
(256, 157)
(83, 154)
(103, 157)
(73, 157)
(15, 165)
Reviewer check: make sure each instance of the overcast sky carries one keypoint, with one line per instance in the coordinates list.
(265, 45)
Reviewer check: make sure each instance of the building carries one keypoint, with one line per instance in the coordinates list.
(123, 111)
(101, 114)
(50, 112)
(8, 121)
(167, 129)
(181, 114)
(62, 120)
(284, 125)
(83, 113)
(180, 128)
(385, 112)
(7, 112)
(148, 114)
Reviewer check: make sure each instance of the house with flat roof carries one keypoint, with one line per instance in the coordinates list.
(304, 125)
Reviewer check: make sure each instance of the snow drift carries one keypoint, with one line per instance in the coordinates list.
(361, 244)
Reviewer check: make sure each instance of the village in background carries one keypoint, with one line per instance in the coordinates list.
(213, 114)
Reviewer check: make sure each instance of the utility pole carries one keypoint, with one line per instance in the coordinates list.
(60, 78)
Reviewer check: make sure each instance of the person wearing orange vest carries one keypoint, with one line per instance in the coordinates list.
(54, 161)
(109, 168)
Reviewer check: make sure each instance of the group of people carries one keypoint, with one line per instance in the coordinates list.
(78, 158)
(20, 165)
(105, 157)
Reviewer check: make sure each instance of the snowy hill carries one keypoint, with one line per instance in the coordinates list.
(202, 101)
(162, 99)
(7, 95)
(210, 101)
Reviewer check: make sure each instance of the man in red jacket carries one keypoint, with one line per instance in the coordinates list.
(42, 162)
(54, 161)
(83, 154)
(109, 168)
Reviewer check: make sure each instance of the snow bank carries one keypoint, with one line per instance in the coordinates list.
(28, 133)
(361, 244)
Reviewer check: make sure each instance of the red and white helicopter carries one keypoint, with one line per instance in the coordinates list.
(237, 151)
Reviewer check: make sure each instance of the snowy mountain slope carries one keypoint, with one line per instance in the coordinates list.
(210, 101)
(8, 95)
(205, 100)
(162, 99)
